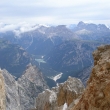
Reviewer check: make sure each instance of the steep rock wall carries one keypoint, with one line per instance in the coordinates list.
(55, 98)
(97, 93)
(2, 92)
(21, 94)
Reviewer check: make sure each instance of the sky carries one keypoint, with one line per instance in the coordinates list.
(55, 11)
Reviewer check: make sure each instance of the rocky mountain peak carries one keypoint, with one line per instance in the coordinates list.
(92, 27)
(55, 98)
(33, 74)
(61, 26)
(81, 23)
(21, 93)
(97, 93)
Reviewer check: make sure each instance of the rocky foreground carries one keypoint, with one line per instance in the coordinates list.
(96, 96)
(70, 95)
(2, 92)
(97, 93)
(20, 94)
(64, 93)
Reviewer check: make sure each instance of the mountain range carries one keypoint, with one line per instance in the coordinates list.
(44, 56)
(56, 49)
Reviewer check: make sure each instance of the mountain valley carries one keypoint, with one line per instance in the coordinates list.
(41, 58)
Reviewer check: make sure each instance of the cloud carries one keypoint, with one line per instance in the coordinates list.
(17, 28)
(4, 28)
(54, 11)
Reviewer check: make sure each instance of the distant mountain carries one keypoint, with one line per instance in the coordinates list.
(41, 40)
(91, 27)
(92, 32)
(56, 42)
(71, 57)
(57, 51)
(13, 58)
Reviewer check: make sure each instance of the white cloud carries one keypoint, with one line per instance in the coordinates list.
(54, 11)
(17, 28)
(10, 27)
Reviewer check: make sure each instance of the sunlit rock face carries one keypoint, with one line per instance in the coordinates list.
(11, 91)
(29, 85)
(21, 93)
(97, 93)
(57, 97)
(2, 93)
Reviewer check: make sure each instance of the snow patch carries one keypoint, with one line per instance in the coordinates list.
(107, 26)
(57, 77)
(40, 60)
(65, 106)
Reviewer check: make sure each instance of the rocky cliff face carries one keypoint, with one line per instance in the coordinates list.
(91, 27)
(65, 93)
(92, 32)
(12, 96)
(21, 94)
(2, 93)
(29, 85)
(85, 74)
(97, 93)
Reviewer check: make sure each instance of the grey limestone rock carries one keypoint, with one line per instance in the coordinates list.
(21, 94)
(55, 98)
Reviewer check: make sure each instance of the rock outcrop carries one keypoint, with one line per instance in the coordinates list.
(2, 92)
(85, 74)
(65, 93)
(12, 96)
(21, 94)
(97, 93)
(29, 85)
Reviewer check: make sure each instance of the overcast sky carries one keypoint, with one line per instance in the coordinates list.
(55, 11)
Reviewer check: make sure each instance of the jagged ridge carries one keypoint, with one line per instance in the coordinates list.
(21, 94)
(97, 93)
(55, 98)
